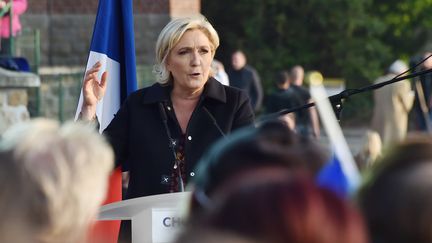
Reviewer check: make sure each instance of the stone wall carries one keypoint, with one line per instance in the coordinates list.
(181, 8)
(14, 98)
(61, 86)
(66, 26)
(59, 93)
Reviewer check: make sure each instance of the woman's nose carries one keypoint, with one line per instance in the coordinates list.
(196, 59)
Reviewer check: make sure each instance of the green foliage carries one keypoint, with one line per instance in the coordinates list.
(351, 39)
(407, 24)
(336, 37)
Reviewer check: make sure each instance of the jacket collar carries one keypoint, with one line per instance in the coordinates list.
(215, 90)
(161, 93)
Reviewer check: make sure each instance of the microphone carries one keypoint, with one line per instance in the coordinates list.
(172, 145)
(162, 112)
(214, 121)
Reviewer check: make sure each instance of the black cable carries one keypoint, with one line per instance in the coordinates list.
(214, 121)
(171, 145)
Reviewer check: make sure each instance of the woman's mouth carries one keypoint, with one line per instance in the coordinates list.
(195, 74)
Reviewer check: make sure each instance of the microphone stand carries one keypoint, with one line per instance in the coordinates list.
(214, 121)
(337, 99)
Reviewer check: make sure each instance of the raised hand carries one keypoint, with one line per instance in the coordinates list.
(93, 91)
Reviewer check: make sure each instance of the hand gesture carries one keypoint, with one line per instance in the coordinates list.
(93, 91)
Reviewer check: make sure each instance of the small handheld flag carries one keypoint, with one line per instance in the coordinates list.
(341, 173)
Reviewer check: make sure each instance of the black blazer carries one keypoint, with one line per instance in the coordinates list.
(141, 143)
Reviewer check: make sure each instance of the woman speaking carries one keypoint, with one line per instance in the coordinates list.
(161, 131)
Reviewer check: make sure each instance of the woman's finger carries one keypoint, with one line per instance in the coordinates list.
(95, 68)
(103, 82)
(90, 78)
(92, 70)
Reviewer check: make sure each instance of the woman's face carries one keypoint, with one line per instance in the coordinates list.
(190, 60)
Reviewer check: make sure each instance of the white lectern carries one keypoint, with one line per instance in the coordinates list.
(155, 219)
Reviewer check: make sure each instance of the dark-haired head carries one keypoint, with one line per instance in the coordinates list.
(397, 196)
(289, 209)
(272, 145)
(282, 78)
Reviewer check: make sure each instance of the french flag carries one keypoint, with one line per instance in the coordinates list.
(340, 174)
(113, 46)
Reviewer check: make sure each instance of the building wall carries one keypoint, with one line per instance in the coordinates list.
(66, 26)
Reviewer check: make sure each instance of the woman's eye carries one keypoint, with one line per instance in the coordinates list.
(204, 51)
(182, 52)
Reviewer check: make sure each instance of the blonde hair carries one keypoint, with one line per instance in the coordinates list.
(370, 151)
(62, 177)
(171, 35)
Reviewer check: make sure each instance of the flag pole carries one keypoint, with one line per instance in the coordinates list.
(334, 131)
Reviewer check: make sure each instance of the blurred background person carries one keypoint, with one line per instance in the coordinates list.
(370, 150)
(297, 75)
(279, 207)
(18, 8)
(283, 98)
(392, 104)
(245, 77)
(423, 90)
(396, 198)
(219, 72)
(52, 181)
(307, 121)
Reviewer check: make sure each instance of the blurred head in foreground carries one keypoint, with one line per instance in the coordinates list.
(397, 196)
(52, 181)
(270, 149)
(284, 208)
(207, 235)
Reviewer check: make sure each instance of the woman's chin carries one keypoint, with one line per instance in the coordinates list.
(196, 84)
(190, 84)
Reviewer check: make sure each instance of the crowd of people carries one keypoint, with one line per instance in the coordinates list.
(256, 186)
(249, 183)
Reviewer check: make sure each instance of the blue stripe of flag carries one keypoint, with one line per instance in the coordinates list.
(113, 35)
(333, 178)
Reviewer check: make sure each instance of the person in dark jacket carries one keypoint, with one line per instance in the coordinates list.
(283, 98)
(307, 123)
(245, 77)
(161, 131)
